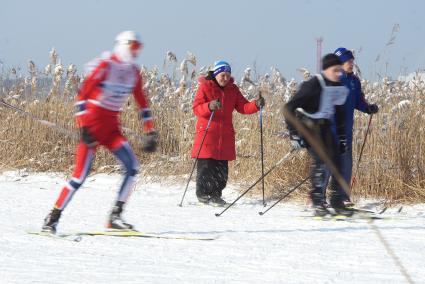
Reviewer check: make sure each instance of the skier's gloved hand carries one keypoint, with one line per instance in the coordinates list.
(150, 141)
(342, 144)
(297, 142)
(87, 138)
(260, 102)
(214, 105)
(372, 108)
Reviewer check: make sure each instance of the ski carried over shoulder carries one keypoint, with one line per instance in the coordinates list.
(62, 236)
(134, 233)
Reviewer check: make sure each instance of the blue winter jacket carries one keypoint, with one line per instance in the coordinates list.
(355, 100)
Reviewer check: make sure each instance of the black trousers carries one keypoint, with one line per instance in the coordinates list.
(211, 177)
(322, 130)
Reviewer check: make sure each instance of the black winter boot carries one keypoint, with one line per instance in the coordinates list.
(217, 201)
(203, 198)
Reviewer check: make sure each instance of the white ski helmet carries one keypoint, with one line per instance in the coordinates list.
(124, 43)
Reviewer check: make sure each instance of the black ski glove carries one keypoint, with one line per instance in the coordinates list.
(150, 142)
(214, 105)
(260, 102)
(297, 141)
(372, 108)
(342, 144)
(87, 138)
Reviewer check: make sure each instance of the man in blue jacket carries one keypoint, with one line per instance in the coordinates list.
(355, 100)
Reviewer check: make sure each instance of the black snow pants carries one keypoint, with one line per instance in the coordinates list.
(322, 130)
(211, 177)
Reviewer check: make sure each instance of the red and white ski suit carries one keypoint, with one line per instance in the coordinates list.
(99, 102)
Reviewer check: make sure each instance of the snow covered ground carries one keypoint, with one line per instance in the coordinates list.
(279, 247)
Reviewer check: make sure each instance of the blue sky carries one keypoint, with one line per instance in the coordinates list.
(267, 32)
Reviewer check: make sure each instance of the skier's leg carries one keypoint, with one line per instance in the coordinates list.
(126, 156)
(339, 196)
(346, 166)
(318, 182)
(203, 180)
(218, 179)
(83, 163)
(318, 178)
(347, 163)
(326, 184)
(319, 171)
(220, 173)
(131, 167)
(84, 159)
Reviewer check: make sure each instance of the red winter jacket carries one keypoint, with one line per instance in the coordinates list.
(219, 142)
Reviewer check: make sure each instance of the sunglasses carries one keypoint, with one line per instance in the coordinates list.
(135, 45)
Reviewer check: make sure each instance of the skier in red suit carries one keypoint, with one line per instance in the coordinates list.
(109, 82)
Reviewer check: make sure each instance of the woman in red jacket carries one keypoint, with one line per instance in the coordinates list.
(217, 93)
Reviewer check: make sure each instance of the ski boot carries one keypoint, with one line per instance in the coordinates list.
(115, 220)
(341, 208)
(51, 221)
(320, 206)
(321, 209)
(348, 203)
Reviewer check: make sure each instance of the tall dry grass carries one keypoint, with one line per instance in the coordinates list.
(392, 168)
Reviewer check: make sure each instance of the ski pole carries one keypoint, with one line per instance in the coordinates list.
(286, 157)
(197, 156)
(42, 121)
(285, 195)
(262, 151)
(353, 181)
(55, 126)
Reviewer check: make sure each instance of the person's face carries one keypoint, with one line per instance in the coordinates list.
(223, 78)
(348, 66)
(333, 73)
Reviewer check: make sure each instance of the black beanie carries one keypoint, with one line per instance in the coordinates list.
(330, 60)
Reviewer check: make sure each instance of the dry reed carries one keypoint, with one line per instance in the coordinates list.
(392, 169)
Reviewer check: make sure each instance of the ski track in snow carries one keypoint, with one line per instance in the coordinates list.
(279, 247)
